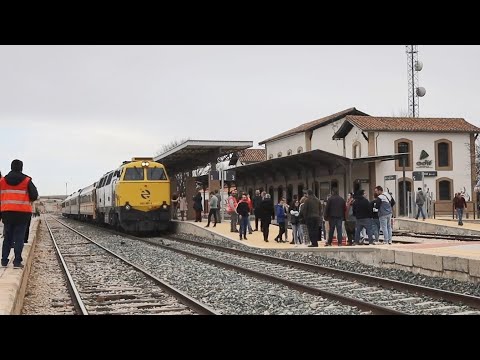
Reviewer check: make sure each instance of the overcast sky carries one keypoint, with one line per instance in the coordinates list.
(72, 113)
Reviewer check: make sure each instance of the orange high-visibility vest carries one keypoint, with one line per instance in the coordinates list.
(15, 197)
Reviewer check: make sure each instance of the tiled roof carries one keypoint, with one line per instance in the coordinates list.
(376, 123)
(253, 155)
(315, 124)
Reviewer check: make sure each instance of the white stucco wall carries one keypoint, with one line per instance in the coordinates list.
(426, 141)
(352, 137)
(384, 145)
(322, 138)
(284, 144)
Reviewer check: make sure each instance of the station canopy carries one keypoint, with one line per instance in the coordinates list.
(331, 163)
(197, 153)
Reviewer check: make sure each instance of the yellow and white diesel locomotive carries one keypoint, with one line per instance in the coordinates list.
(134, 197)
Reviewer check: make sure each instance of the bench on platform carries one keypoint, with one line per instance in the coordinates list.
(445, 207)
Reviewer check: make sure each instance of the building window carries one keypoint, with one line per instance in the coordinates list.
(289, 152)
(404, 146)
(444, 189)
(299, 150)
(356, 150)
(334, 185)
(443, 155)
(324, 190)
(279, 154)
(270, 157)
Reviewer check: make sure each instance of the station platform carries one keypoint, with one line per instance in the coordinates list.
(454, 259)
(13, 282)
(440, 226)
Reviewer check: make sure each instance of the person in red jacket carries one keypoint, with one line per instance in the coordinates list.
(17, 192)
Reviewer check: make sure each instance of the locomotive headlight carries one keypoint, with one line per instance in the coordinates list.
(128, 207)
(145, 163)
(164, 206)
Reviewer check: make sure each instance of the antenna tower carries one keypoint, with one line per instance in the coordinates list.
(414, 91)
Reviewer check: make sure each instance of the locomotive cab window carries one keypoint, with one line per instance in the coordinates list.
(133, 174)
(109, 179)
(156, 174)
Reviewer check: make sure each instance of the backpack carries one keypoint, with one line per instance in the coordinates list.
(392, 201)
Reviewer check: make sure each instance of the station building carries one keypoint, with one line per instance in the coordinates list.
(352, 150)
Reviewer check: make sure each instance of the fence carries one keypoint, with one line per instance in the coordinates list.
(446, 208)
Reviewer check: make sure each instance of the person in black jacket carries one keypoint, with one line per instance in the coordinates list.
(375, 220)
(197, 206)
(17, 192)
(362, 211)
(334, 214)
(242, 211)
(257, 200)
(267, 212)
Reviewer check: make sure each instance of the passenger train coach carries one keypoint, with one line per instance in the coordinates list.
(134, 198)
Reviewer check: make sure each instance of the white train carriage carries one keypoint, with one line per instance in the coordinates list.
(71, 206)
(105, 201)
(66, 211)
(87, 202)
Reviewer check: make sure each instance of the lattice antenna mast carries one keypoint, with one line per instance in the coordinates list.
(414, 91)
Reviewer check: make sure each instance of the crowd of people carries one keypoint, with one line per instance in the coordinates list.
(363, 220)
(305, 217)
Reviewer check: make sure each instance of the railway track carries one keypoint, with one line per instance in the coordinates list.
(388, 296)
(436, 236)
(101, 282)
(371, 294)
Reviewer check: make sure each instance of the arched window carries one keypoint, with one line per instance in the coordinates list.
(289, 152)
(270, 157)
(404, 146)
(443, 155)
(279, 154)
(444, 189)
(299, 150)
(356, 150)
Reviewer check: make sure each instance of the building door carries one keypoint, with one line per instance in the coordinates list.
(300, 191)
(356, 187)
(400, 200)
(289, 193)
(279, 193)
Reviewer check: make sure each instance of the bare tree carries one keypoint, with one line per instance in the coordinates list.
(181, 177)
(170, 146)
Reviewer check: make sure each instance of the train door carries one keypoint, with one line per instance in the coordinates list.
(100, 196)
(108, 191)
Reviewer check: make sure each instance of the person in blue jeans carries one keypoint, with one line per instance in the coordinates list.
(362, 211)
(242, 211)
(17, 192)
(420, 201)
(385, 214)
(281, 218)
(460, 204)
